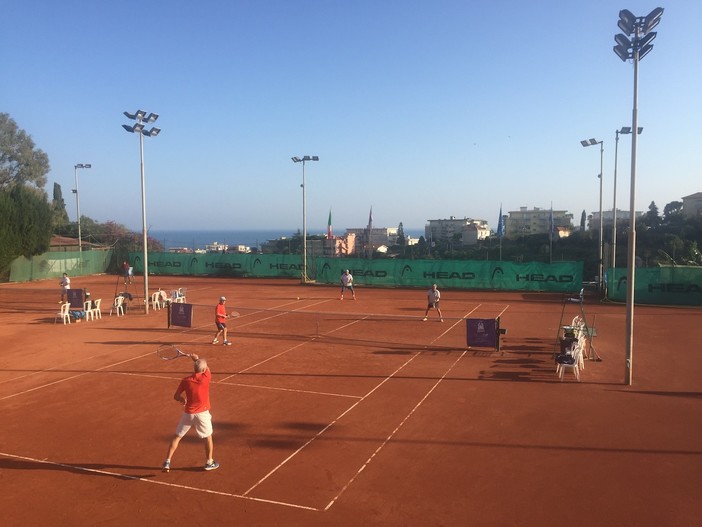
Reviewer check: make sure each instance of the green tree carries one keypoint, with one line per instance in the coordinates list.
(583, 217)
(20, 161)
(58, 207)
(652, 218)
(25, 224)
(401, 240)
(25, 214)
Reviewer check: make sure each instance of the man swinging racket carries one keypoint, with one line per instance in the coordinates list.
(194, 394)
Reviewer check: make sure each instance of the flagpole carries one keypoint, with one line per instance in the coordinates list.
(550, 235)
(500, 230)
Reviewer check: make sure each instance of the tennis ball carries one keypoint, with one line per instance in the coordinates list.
(298, 298)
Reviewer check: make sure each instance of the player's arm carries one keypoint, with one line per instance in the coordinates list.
(179, 396)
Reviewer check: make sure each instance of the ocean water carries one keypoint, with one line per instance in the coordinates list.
(198, 239)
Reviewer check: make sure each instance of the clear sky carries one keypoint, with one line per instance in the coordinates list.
(420, 109)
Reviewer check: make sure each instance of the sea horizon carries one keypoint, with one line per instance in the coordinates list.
(198, 238)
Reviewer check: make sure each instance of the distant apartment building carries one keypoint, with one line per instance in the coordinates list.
(377, 237)
(465, 231)
(692, 205)
(593, 220)
(525, 222)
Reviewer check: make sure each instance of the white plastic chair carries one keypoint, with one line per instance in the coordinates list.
(64, 314)
(118, 305)
(88, 310)
(156, 300)
(96, 311)
(573, 360)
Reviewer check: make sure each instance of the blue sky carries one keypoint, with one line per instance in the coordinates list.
(420, 109)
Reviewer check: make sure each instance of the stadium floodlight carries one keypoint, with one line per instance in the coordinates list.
(75, 191)
(138, 128)
(641, 37)
(652, 20)
(627, 21)
(623, 41)
(151, 118)
(592, 142)
(622, 53)
(303, 160)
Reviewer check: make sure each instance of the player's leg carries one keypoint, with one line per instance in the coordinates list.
(353, 292)
(426, 313)
(441, 317)
(203, 428)
(215, 340)
(342, 291)
(209, 449)
(224, 332)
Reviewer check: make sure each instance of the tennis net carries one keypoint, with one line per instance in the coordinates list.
(335, 327)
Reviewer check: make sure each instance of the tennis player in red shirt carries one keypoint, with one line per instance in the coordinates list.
(221, 322)
(194, 394)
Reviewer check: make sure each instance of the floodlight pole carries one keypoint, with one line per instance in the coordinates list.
(140, 117)
(634, 48)
(623, 130)
(302, 160)
(592, 142)
(80, 239)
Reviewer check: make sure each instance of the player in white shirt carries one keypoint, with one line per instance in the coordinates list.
(347, 283)
(433, 297)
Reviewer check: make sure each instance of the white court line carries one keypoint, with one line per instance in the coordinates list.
(318, 434)
(239, 384)
(72, 377)
(310, 339)
(156, 482)
(392, 434)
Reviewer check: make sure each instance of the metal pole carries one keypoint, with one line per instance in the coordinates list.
(600, 277)
(614, 206)
(80, 242)
(304, 225)
(143, 219)
(631, 255)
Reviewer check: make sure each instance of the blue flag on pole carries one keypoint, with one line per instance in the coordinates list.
(500, 225)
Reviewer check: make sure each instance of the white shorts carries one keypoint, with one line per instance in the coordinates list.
(201, 421)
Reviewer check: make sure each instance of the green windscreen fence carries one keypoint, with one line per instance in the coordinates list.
(669, 286)
(216, 264)
(54, 264)
(535, 276)
(467, 274)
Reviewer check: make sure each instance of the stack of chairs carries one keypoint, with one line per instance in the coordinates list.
(573, 357)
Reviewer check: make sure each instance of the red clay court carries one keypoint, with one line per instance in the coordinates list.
(347, 413)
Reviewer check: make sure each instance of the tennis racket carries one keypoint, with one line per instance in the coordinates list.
(170, 352)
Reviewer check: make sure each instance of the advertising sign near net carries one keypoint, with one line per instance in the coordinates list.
(75, 297)
(181, 315)
(482, 332)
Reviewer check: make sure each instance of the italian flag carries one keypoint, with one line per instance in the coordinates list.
(329, 228)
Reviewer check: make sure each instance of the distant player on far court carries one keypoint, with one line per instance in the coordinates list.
(221, 322)
(433, 297)
(65, 285)
(347, 283)
(194, 394)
